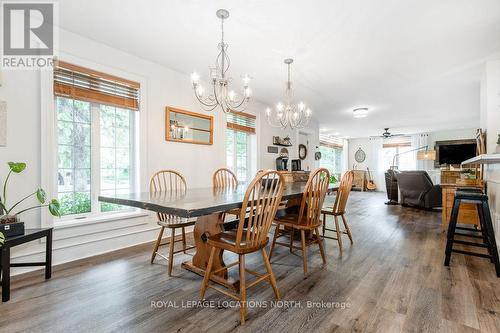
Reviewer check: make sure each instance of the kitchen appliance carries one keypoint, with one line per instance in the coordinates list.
(281, 163)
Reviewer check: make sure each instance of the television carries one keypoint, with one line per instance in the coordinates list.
(454, 152)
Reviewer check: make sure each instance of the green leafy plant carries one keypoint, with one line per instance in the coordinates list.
(7, 213)
(333, 179)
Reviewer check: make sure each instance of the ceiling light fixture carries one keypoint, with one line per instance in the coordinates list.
(360, 112)
(288, 113)
(222, 96)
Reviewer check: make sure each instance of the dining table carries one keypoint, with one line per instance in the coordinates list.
(207, 206)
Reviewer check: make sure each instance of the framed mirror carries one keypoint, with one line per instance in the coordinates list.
(302, 152)
(189, 127)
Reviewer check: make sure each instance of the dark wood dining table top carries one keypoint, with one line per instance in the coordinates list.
(197, 201)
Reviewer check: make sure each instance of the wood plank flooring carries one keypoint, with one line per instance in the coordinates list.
(391, 280)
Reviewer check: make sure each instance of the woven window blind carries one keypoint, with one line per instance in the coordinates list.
(81, 83)
(240, 121)
(331, 141)
(404, 141)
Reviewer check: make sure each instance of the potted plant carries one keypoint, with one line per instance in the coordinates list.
(10, 215)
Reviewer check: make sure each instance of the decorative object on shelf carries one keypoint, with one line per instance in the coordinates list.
(222, 96)
(468, 174)
(189, 127)
(7, 215)
(284, 152)
(282, 141)
(272, 149)
(289, 113)
(3, 123)
(360, 155)
(317, 155)
(302, 152)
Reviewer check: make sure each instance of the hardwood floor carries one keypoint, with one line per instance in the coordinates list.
(391, 280)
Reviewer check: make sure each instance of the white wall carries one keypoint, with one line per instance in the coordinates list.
(490, 121)
(371, 152)
(161, 87)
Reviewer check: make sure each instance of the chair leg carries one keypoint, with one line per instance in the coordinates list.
(324, 225)
(183, 240)
(292, 233)
(272, 279)
(451, 231)
(208, 272)
(347, 229)
(304, 249)
(339, 234)
(243, 290)
(320, 243)
(171, 252)
(491, 234)
(157, 244)
(276, 230)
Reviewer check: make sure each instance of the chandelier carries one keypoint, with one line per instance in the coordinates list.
(288, 113)
(221, 95)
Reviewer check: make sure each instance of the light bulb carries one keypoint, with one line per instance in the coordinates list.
(280, 115)
(279, 106)
(295, 115)
(195, 78)
(301, 106)
(186, 128)
(248, 91)
(246, 80)
(199, 90)
(308, 112)
(231, 95)
(268, 111)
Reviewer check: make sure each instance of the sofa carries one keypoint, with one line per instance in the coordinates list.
(417, 190)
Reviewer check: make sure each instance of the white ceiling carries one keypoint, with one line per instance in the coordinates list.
(415, 63)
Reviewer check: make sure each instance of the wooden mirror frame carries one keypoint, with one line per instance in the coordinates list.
(168, 137)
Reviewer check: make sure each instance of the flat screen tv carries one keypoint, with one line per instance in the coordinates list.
(454, 152)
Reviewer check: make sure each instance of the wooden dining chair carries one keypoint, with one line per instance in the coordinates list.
(307, 219)
(261, 202)
(224, 179)
(338, 210)
(170, 182)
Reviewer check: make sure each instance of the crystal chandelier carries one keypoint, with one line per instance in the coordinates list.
(288, 113)
(221, 95)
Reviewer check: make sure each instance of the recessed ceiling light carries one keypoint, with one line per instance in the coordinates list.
(360, 112)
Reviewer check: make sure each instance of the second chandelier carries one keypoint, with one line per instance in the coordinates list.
(289, 113)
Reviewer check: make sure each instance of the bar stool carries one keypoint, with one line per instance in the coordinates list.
(487, 233)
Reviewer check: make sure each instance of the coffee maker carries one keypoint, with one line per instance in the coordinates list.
(281, 163)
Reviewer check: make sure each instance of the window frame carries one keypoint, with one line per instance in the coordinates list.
(249, 152)
(48, 148)
(341, 151)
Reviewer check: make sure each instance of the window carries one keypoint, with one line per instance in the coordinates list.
(241, 145)
(95, 141)
(331, 149)
(395, 150)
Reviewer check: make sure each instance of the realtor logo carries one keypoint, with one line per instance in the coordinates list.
(27, 34)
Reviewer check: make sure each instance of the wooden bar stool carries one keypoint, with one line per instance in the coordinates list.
(338, 209)
(307, 219)
(486, 231)
(170, 182)
(261, 201)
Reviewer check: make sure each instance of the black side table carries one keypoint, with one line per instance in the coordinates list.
(5, 264)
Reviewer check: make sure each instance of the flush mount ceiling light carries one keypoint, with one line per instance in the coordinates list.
(220, 94)
(360, 112)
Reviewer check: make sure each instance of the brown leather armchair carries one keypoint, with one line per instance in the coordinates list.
(417, 189)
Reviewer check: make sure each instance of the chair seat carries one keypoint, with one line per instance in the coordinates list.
(227, 240)
(176, 222)
(235, 211)
(329, 211)
(292, 220)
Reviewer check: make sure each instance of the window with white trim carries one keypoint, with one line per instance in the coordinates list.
(241, 145)
(331, 149)
(96, 153)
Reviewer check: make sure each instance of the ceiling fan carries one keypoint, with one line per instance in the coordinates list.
(386, 134)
